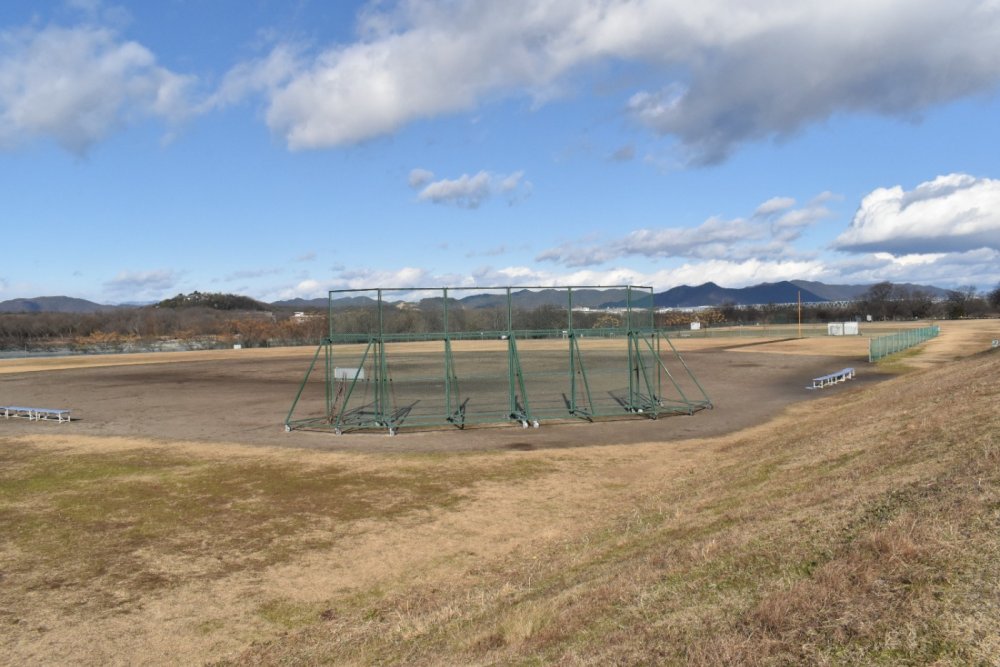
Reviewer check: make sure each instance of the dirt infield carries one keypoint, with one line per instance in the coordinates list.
(243, 396)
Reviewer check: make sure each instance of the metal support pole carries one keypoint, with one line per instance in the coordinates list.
(447, 360)
(632, 370)
(339, 425)
(302, 386)
(329, 381)
(572, 353)
(511, 396)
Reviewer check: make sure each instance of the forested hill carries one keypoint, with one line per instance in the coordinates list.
(214, 300)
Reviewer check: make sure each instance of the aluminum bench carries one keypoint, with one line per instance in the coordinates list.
(833, 378)
(35, 414)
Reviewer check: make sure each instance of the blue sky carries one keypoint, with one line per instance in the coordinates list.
(280, 149)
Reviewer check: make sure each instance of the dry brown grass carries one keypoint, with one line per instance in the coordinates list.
(859, 528)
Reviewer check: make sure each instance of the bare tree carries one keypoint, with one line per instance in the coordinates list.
(878, 300)
(994, 298)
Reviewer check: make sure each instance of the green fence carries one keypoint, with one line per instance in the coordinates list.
(883, 346)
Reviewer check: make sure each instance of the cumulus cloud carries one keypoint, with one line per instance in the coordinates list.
(417, 60)
(261, 75)
(701, 241)
(368, 278)
(774, 205)
(469, 191)
(952, 213)
(975, 267)
(766, 234)
(573, 255)
(465, 191)
(142, 284)
(723, 272)
(787, 67)
(718, 73)
(77, 85)
(420, 177)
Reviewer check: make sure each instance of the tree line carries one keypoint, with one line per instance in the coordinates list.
(882, 302)
(192, 323)
(150, 327)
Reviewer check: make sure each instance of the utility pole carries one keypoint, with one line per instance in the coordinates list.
(800, 313)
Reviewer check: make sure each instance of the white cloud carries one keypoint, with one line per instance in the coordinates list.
(77, 85)
(407, 276)
(774, 205)
(469, 191)
(979, 267)
(739, 273)
(766, 235)
(952, 213)
(719, 72)
(723, 272)
(510, 183)
(420, 177)
(465, 191)
(789, 225)
(142, 284)
(795, 65)
(574, 256)
(422, 60)
(705, 240)
(262, 75)
(305, 289)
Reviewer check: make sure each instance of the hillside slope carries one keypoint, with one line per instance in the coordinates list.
(858, 529)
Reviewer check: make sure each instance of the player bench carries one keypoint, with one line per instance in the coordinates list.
(35, 414)
(833, 378)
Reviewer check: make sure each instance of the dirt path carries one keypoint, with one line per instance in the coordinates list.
(968, 337)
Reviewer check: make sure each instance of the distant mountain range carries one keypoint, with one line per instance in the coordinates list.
(683, 296)
(526, 299)
(786, 291)
(52, 304)
(710, 294)
(852, 292)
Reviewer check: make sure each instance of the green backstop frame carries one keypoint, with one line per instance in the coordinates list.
(363, 395)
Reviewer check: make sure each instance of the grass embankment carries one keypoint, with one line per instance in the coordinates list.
(866, 532)
(862, 528)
